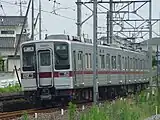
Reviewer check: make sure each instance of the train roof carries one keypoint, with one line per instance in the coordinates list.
(76, 40)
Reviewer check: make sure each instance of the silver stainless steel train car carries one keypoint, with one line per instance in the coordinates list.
(60, 68)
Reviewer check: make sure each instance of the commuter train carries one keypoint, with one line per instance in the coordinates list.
(60, 68)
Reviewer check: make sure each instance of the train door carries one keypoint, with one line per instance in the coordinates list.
(45, 68)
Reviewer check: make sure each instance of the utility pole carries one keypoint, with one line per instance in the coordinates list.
(108, 27)
(79, 17)
(95, 54)
(20, 3)
(32, 37)
(150, 38)
(40, 20)
(111, 21)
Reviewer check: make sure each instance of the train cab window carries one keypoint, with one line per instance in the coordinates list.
(61, 52)
(29, 58)
(108, 61)
(113, 60)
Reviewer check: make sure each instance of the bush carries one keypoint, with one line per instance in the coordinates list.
(142, 106)
(9, 89)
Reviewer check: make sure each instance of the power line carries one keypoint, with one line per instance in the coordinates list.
(66, 17)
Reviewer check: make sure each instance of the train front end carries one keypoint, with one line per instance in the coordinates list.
(46, 70)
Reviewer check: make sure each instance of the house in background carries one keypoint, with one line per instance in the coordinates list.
(10, 30)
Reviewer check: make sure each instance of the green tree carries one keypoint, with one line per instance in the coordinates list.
(1, 64)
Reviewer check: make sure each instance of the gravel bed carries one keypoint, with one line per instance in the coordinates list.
(53, 116)
(57, 116)
(154, 117)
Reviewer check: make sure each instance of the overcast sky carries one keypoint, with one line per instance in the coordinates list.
(66, 22)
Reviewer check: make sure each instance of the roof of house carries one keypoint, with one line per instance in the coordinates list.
(11, 20)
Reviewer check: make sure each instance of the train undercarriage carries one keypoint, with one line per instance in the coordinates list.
(53, 96)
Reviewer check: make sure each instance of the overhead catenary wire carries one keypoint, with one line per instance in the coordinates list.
(63, 16)
(25, 19)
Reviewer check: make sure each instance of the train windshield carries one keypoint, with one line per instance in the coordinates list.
(28, 58)
(61, 55)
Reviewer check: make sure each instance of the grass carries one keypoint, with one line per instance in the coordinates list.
(10, 89)
(139, 107)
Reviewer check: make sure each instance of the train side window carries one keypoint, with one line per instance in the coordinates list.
(119, 62)
(131, 63)
(74, 60)
(128, 63)
(113, 60)
(135, 64)
(90, 60)
(138, 64)
(123, 63)
(108, 61)
(102, 60)
(80, 60)
(86, 61)
(141, 65)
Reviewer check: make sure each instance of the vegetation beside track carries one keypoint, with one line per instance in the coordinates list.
(10, 89)
(139, 107)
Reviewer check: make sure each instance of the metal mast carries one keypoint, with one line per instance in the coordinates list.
(40, 19)
(32, 37)
(95, 63)
(150, 38)
(79, 17)
(111, 21)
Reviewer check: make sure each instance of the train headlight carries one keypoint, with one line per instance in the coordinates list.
(27, 75)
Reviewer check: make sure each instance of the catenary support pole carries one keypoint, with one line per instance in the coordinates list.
(40, 20)
(111, 21)
(150, 38)
(95, 54)
(79, 17)
(32, 20)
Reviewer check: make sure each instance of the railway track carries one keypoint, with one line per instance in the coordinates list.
(11, 96)
(17, 114)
